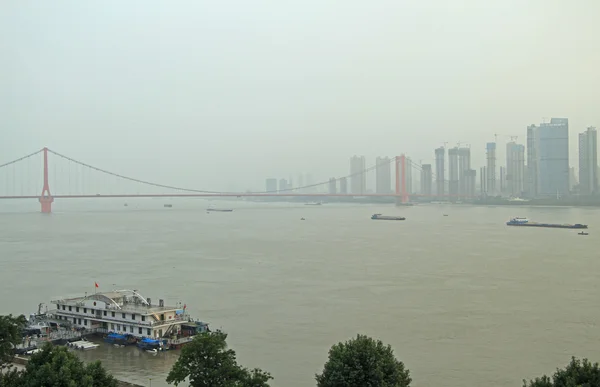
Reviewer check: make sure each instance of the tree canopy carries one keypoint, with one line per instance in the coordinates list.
(207, 362)
(578, 373)
(363, 362)
(10, 335)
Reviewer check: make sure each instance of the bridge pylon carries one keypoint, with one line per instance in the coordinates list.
(401, 194)
(46, 198)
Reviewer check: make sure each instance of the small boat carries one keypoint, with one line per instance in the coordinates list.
(168, 205)
(302, 219)
(445, 214)
(384, 217)
(219, 210)
(524, 222)
(313, 204)
(582, 233)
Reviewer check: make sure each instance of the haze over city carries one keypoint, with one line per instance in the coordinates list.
(221, 95)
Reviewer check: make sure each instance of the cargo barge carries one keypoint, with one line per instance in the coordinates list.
(524, 222)
(385, 217)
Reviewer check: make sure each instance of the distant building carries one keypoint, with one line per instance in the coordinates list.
(490, 171)
(572, 179)
(440, 178)
(332, 186)
(426, 179)
(553, 157)
(588, 162)
(453, 172)
(483, 181)
(515, 169)
(271, 185)
(532, 183)
(343, 185)
(383, 182)
(464, 170)
(283, 185)
(358, 178)
(502, 180)
(470, 176)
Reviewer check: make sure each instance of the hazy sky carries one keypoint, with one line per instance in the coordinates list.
(221, 94)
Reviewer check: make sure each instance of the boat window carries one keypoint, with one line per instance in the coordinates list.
(79, 321)
(143, 318)
(140, 331)
(84, 322)
(123, 315)
(91, 311)
(131, 328)
(112, 326)
(133, 316)
(118, 327)
(70, 308)
(113, 314)
(105, 313)
(77, 309)
(84, 310)
(64, 307)
(149, 332)
(74, 320)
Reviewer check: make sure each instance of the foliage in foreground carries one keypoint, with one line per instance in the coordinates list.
(10, 335)
(363, 361)
(578, 373)
(207, 362)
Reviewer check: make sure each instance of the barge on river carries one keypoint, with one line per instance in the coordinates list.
(126, 317)
(524, 222)
(386, 217)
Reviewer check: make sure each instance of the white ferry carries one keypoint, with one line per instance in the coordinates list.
(126, 313)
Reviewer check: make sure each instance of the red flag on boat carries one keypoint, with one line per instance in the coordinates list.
(184, 306)
(96, 283)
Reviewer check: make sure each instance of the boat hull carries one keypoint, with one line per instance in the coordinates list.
(388, 218)
(549, 225)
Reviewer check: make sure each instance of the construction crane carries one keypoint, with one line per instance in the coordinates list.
(512, 138)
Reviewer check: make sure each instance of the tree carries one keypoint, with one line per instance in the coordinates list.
(363, 362)
(578, 373)
(10, 335)
(57, 367)
(207, 362)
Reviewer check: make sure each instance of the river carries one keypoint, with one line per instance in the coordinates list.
(463, 299)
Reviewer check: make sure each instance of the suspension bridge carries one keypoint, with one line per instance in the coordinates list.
(72, 179)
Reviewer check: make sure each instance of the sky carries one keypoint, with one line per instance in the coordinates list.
(221, 95)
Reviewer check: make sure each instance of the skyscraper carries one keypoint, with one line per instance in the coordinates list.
(464, 170)
(332, 186)
(553, 157)
(588, 162)
(483, 181)
(343, 185)
(453, 172)
(383, 176)
(358, 180)
(426, 179)
(470, 176)
(440, 178)
(491, 168)
(515, 169)
(532, 185)
(283, 185)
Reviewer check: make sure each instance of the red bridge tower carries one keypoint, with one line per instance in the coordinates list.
(46, 198)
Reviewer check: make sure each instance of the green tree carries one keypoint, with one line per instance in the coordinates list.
(57, 367)
(363, 362)
(207, 362)
(578, 373)
(10, 335)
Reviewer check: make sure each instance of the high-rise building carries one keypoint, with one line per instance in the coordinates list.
(426, 179)
(409, 176)
(453, 172)
(502, 180)
(515, 169)
(383, 176)
(332, 186)
(490, 171)
(483, 181)
(283, 185)
(440, 178)
(464, 166)
(470, 176)
(271, 185)
(532, 184)
(588, 162)
(343, 185)
(553, 157)
(358, 178)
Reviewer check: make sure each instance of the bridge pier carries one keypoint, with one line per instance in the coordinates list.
(46, 198)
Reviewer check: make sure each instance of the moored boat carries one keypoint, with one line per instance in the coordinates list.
(524, 222)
